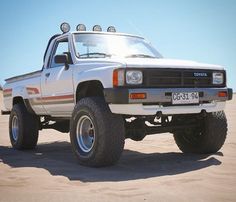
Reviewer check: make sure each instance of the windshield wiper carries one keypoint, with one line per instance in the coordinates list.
(139, 56)
(87, 55)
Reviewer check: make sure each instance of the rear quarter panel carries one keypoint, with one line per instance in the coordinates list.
(27, 88)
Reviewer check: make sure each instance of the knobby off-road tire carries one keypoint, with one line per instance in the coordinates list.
(208, 140)
(97, 135)
(23, 128)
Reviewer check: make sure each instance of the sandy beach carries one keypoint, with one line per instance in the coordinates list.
(151, 170)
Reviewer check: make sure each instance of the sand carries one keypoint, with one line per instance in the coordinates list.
(151, 170)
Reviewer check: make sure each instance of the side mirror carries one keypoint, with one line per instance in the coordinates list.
(62, 59)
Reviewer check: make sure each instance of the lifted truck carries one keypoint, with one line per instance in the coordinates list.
(104, 87)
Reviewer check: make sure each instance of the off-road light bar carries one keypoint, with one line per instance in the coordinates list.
(65, 27)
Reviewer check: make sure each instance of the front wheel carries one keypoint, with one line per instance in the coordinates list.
(97, 135)
(210, 136)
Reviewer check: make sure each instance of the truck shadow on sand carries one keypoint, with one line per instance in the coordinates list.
(58, 159)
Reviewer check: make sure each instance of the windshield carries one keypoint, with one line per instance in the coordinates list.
(106, 45)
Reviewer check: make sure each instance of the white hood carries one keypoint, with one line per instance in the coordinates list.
(168, 63)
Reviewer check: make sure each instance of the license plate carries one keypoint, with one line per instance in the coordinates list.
(185, 98)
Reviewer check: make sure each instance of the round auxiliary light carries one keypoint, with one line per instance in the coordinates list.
(65, 27)
(111, 29)
(80, 27)
(97, 28)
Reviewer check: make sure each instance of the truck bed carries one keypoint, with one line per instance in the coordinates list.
(24, 76)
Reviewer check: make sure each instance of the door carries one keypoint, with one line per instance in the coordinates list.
(57, 84)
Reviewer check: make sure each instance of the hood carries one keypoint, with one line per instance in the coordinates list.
(168, 63)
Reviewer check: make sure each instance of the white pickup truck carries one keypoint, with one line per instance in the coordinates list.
(104, 87)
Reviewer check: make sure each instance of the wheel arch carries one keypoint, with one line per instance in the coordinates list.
(25, 102)
(17, 100)
(89, 89)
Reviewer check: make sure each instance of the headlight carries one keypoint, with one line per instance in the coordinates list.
(134, 77)
(217, 78)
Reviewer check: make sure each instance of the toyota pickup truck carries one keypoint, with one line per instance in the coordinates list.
(103, 87)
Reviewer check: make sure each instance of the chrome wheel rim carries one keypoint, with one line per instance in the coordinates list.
(15, 128)
(85, 133)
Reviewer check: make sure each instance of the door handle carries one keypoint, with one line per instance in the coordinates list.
(47, 74)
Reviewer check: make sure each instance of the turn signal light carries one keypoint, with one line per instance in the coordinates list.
(115, 78)
(222, 94)
(134, 96)
(118, 77)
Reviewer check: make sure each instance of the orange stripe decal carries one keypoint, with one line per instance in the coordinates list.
(62, 97)
(7, 92)
(31, 90)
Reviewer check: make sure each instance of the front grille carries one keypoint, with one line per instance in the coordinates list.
(179, 78)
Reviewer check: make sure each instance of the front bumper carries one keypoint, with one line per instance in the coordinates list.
(159, 100)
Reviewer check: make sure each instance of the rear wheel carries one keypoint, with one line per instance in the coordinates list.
(23, 128)
(97, 135)
(210, 136)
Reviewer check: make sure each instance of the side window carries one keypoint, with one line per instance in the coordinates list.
(60, 48)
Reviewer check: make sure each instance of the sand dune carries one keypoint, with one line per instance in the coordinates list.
(151, 170)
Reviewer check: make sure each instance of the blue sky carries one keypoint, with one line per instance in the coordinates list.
(201, 30)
